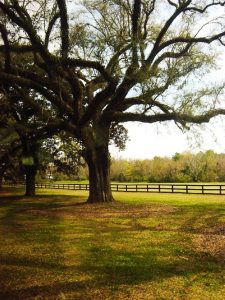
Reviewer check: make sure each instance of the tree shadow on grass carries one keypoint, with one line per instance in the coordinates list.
(6, 194)
(103, 265)
(203, 221)
(36, 248)
(109, 269)
(21, 204)
(48, 197)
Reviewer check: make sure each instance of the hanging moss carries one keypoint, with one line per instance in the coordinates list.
(28, 161)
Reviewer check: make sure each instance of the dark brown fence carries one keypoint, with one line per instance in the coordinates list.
(213, 189)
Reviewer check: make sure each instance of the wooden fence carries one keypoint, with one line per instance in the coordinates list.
(213, 189)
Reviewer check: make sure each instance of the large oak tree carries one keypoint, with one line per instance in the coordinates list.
(103, 63)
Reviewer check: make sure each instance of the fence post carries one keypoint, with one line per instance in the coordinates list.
(172, 188)
(136, 187)
(186, 189)
(159, 188)
(202, 189)
(220, 189)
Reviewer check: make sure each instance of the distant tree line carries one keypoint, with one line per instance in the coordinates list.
(185, 167)
(182, 167)
(59, 162)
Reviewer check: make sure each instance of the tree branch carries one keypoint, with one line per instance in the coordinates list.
(114, 58)
(135, 17)
(4, 35)
(26, 24)
(17, 48)
(135, 20)
(64, 27)
(171, 55)
(31, 84)
(86, 64)
(193, 40)
(172, 3)
(179, 118)
(164, 30)
(202, 10)
(50, 27)
(147, 15)
(96, 105)
(45, 115)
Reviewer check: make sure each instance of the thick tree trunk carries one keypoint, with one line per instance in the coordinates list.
(30, 164)
(98, 161)
(30, 172)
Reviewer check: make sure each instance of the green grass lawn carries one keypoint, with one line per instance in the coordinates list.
(144, 246)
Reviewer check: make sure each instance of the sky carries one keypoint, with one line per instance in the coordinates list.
(149, 140)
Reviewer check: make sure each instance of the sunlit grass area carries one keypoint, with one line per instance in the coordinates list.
(143, 246)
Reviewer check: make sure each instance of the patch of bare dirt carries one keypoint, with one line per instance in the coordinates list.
(219, 229)
(114, 210)
(212, 244)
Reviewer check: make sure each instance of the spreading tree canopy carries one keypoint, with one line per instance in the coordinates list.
(99, 64)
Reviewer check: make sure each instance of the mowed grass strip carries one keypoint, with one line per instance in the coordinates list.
(143, 246)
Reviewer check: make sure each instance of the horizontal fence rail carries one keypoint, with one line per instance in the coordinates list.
(213, 189)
